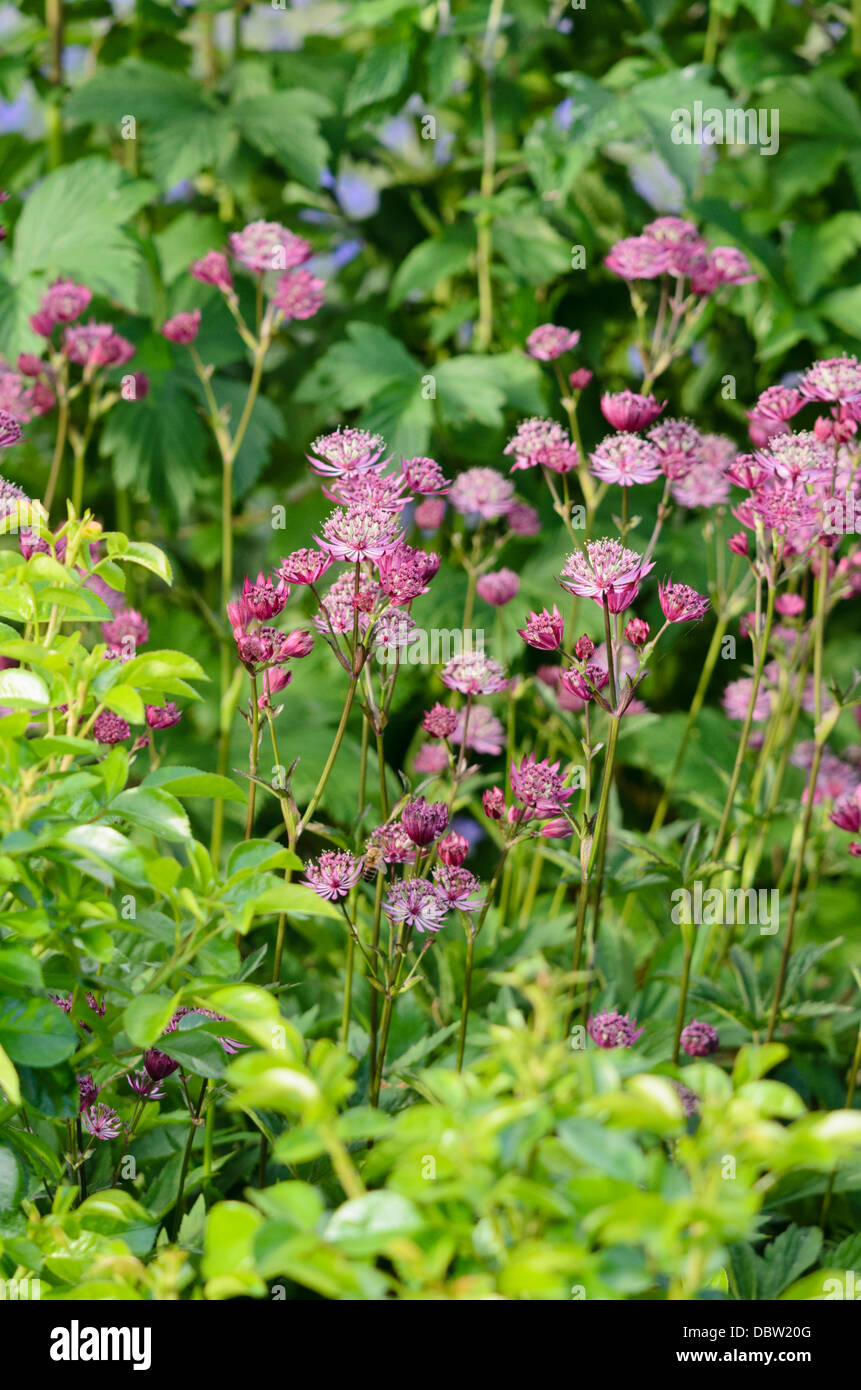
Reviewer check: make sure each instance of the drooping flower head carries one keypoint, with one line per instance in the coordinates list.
(548, 342)
(586, 683)
(680, 603)
(605, 567)
(611, 1029)
(213, 269)
(543, 630)
(333, 875)
(163, 716)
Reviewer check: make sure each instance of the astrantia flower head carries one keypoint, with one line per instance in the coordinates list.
(430, 760)
(273, 680)
(584, 647)
(304, 566)
(493, 802)
(473, 673)
(424, 477)
(182, 328)
(163, 716)
(605, 567)
(262, 598)
(731, 265)
(548, 342)
(539, 786)
(543, 630)
(156, 1063)
(453, 849)
(65, 301)
(10, 432)
(482, 732)
(628, 411)
(96, 345)
(523, 520)
(498, 588)
(736, 698)
(265, 246)
(800, 456)
(394, 843)
(370, 490)
(394, 630)
(143, 1085)
(703, 485)
(440, 722)
(778, 403)
(847, 813)
(417, 903)
(347, 451)
(625, 459)
(360, 534)
(341, 602)
(102, 1122)
(405, 572)
(109, 728)
(429, 514)
(541, 443)
(638, 258)
(699, 1039)
(612, 1029)
(88, 1091)
(127, 627)
(213, 269)
(788, 510)
(481, 492)
(680, 603)
(457, 887)
(299, 295)
(679, 443)
(333, 875)
(424, 821)
(637, 632)
(832, 379)
(584, 684)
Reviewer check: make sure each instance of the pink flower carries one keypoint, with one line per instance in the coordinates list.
(102, 1122)
(273, 679)
(778, 403)
(430, 513)
(606, 567)
(453, 849)
(522, 519)
(430, 760)
(680, 603)
(832, 379)
(425, 477)
(395, 844)
(265, 246)
(109, 728)
(128, 628)
(482, 492)
(498, 588)
(333, 875)
(679, 443)
(96, 345)
(629, 411)
(346, 451)
(549, 342)
(584, 684)
(736, 698)
(794, 457)
(637, 632)
(847, 813)
(424, 821)
(65, 301)
(368, 490)
(405, 573)
(10, 433)
(731, 265)
(638, 258)
(493, 801)
(541, 443)
(359, 535)
(613, 1029)
(182, 328)
(543, 630)
(626, 459)
(42, 323)
(440, 722)
(538, 787)
(580, 379)
(163, 716)
(263, 599)
(299, 295)
(456, 887)
(473, 673)
(304, 566)
(417, 904)
(789, 605)
(213, 269)
(484, 732)
(583, 648)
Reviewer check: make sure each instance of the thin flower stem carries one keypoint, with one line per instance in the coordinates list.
(693, 714)
(608, 638)
(59, 449)
(471, 940)
(330, 761)
(854, 1067)
(464, 1008)
(183, 1172)
(252, 758)
(683, 994)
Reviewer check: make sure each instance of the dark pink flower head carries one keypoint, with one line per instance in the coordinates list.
(498, 587)
(416, 903)
(265, 246)
(371, 490)
(262, 598)
(746, 470)
(96, 345)
(457, 887)
(143, 1085)
(789, 605)
(360, 534)
(31, 365)
(612, 1029)
(405, 572)
(453, 849)
(273, 680)
(493, 801)
(293, 645)
(541, 443)
(638, 258)
(182, 328)
(163, 716)
(793, 457)
(430, 513)
(127, 628)
(523, 520)
(424, 477)
(543, 630)
(481, 492)
(424, 821)
(346, 451)
(42, 323)
(832, 379)
(584, 647)
(637, 632)
(584, 684)
(473, 673)
(680, 444)
(628, 411)
(440, 722)
(394, 843)
(299, 295)
(430, 760)
(625, 459)
(578, 380)
(158, 1065)
(605, 567)
(101, 1122)
(847, 813)
(699, 1039)
(10, 433)
(680, 603)
(341, 603)
(333, 875)
(789, 510)
(548, 342)
(213, 269)
(88, 1091)
(304, 566)
(109, 728)
(731, 265)
(539, 787)
(681, 240)
(778, 403)
(65, 301)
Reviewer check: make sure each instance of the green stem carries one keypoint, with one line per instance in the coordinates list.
(693, 714)
(186, 1155)
(467, 985)
(683, 996)
(59, 448)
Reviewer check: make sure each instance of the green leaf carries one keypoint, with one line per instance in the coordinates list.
(126, 702)
(531, 248)
(9, 1082)
(295, 899)
(188, 781)
(843, 307)
(286, 125)
(365, 1225)
(432, 261)
(21, 689)
(816, 252)
(153, 809)
(753, 1062)
(604, 1149)
(380, 74)
(36, 1032)
(147, 1016)
(12, 1186)
(197, 1052)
